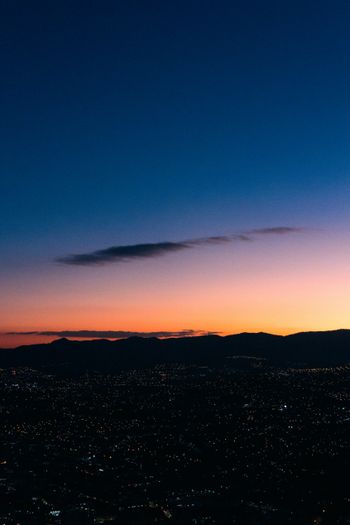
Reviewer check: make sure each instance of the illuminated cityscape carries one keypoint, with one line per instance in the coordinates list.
(247, 443)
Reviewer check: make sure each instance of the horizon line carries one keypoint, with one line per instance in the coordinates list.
(221, 335)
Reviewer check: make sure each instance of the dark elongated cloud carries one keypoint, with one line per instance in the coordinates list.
(278, 230)
(113, 334)
(123, 253)
(130, 252)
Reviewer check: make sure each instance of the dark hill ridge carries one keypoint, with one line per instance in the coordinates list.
(301, 349)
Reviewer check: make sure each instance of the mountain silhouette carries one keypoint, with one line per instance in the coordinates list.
(68, 356)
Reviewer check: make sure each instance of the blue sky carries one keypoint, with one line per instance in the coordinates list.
(133, 122)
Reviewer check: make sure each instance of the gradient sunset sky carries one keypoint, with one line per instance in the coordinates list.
(174, 166)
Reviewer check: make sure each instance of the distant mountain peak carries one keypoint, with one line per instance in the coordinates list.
(61, 341)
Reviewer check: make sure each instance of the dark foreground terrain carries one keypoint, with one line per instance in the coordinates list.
(245, 443)
(64, 356)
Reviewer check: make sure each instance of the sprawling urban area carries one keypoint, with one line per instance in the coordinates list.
(243, 444)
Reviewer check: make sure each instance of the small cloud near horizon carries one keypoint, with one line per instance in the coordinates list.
(114, 334)
(127, 253)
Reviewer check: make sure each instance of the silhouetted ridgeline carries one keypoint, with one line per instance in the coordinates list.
(303, 349)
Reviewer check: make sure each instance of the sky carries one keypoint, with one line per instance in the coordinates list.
(173, 168)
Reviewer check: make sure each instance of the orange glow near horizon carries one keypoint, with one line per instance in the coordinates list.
(281, 286)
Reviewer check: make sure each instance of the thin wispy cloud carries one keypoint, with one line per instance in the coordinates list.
(125, 253)
(113, 334)
(278, 230)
